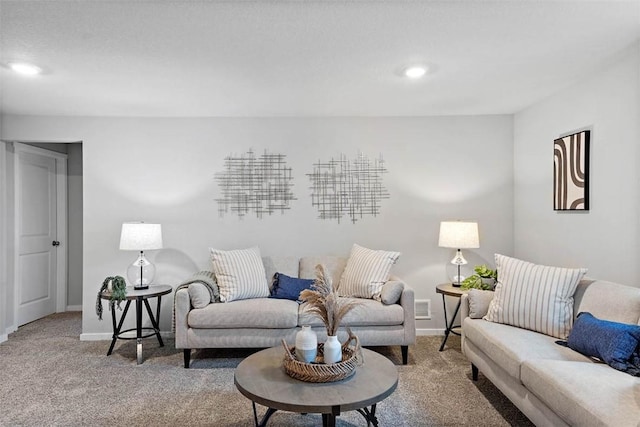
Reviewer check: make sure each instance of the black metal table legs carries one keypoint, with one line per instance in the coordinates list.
(155, 328)
(449, 324)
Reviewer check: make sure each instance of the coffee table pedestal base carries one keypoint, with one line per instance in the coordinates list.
(328, 420)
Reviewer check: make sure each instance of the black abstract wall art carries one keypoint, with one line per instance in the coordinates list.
(343, 187)
(252, 184)
(571, 172)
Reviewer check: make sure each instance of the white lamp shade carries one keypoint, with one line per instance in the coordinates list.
(140, 236)
(459, 235)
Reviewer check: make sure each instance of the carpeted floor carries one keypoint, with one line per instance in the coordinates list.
(49, 377)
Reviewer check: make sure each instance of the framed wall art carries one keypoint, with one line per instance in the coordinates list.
(571, 172)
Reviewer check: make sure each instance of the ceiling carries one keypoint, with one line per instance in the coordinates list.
(302, 58)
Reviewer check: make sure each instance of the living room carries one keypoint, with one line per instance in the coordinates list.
(472, 140)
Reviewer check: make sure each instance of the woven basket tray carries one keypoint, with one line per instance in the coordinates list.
(319, 372)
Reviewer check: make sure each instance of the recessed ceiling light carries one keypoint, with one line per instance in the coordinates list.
(25, 69)
(415, 72)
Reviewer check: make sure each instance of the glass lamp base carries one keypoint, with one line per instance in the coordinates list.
(457, 277)
(141, 272)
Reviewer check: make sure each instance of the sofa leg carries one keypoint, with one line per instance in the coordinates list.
(405, 354)
(474, 372)
(187, 357)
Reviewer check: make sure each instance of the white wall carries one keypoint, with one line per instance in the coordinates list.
(162, 170)
(605, 239)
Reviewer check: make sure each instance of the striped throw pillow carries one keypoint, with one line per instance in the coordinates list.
(535, 297)
(366, 272)
(240, 274)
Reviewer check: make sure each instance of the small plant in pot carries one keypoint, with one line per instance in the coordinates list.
(118, 288)
(485, 279)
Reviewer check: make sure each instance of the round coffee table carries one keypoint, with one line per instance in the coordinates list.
(261, 378)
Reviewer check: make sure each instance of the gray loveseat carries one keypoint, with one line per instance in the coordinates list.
(263, 322)
(554, 385)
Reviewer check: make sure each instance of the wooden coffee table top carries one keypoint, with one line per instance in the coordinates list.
(261, 378)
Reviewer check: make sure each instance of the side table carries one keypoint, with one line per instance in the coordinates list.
(141, 296)
(447, 289)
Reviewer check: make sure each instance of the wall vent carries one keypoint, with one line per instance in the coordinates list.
(423, 309)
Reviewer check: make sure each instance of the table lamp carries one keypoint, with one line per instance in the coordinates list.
(458, 235)
(140, 236)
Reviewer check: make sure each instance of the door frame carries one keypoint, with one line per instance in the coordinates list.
(4, 276)
(61, 224)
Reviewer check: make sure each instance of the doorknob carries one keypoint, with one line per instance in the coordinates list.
(55, 243)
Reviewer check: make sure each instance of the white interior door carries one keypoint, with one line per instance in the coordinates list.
(36, 234)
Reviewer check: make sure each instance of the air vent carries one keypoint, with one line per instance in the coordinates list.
(423, 308)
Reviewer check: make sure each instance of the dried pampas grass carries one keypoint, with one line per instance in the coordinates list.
(323, 301)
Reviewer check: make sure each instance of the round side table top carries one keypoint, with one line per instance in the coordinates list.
(133, 293)
(261, 378)
(450, 290)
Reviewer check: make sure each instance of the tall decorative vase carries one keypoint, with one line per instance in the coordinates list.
(332, 350)
(306, 345)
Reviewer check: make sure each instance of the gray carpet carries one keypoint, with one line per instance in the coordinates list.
(50, 377)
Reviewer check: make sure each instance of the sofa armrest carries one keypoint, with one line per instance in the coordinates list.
(407, 301)
(181, 313)
(464, 306)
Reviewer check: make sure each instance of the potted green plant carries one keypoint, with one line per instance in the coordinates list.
(484, 279)
(117, 286)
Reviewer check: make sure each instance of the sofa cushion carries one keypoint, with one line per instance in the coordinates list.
(333, 265)
(585, 394)
(366, 272)
(366, 313)
(509, 346)
(286, 264)
(286, 287)
(479, 302)
(240, 274)
(616, 344)
(199, 295)
(391, 292)
(249, 313)
(608, 300)
(535, 297)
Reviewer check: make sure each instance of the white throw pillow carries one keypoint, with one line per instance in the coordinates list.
(240, 274)
(535, 297)
(366, 272)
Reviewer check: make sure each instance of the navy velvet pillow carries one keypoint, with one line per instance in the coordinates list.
(616, 344)
(286, 287)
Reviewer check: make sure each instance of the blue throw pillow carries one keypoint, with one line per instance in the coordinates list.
(286, 287)
(616, 344)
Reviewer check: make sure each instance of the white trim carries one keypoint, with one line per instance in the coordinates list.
(74, 308)
(3, 241)
(61, 228)
(429, 332)
(61, 222)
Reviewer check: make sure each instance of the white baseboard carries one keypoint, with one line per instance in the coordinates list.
(4, 337)
(429, 332)
(74, 308)
(107, 336)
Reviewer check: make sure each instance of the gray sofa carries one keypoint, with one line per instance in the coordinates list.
(263, 322)
(554, 385)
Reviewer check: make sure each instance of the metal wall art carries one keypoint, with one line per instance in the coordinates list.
(255, 184)
(342, 187)
(571, 172)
